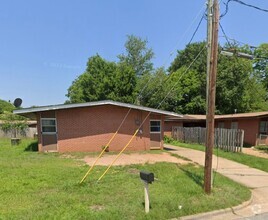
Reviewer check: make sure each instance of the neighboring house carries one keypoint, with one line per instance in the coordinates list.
(254, 124)
(89, 126)
(185, 121)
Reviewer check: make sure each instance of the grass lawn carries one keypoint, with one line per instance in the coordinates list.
(249, 160)
(45, 186)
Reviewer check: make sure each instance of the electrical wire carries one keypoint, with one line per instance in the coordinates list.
(251, 6)
(242, 3)
(225, 35)
(183, 35)
(198, 26)
(176, 45)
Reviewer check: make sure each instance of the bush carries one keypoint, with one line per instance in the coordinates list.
(264, 148)
(168, 139)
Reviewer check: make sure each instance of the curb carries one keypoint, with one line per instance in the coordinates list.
(208, 215)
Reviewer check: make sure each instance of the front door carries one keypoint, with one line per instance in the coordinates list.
(155, 134)
(49, 134)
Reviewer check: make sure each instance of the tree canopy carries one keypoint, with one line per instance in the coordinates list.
(6, 106)
(138, 55)
(236, 84)
(103, 80)
(260, 64)
(241, 84)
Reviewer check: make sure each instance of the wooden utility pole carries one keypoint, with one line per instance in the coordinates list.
(213, 27)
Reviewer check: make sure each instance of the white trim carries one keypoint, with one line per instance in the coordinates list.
(155, 132)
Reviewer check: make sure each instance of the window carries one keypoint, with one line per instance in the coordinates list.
(48, 125)
(155, 126)
(263, 127)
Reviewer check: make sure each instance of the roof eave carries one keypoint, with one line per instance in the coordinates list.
(27, 111)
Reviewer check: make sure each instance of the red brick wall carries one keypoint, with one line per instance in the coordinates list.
(250, 127)
(89, 128)
(168, 126)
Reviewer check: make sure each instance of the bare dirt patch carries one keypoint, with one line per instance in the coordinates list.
(135, 158)
(96, 207)
(254, 152)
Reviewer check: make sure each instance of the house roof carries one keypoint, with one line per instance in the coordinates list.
(219, 117)
(187, 118)
(243, 115)
(29, 112)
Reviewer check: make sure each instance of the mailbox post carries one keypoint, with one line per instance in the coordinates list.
(147, 178)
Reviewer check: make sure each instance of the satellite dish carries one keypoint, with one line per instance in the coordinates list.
(17, 102)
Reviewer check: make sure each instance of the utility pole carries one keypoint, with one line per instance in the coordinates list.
(212, 44)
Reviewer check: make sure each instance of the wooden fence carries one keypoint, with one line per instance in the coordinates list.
(226, 139)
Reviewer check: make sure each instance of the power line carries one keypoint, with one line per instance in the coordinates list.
(202, 18)
(242, 3)
(171, 53)
(252, 6)
(225, 35)
(183, 35)
(198, 55)
(239, 42)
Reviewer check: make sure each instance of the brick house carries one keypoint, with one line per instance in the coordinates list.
(254, 124)
(89, 126)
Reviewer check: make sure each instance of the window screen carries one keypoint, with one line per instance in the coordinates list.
(48, 125)
(155, 126)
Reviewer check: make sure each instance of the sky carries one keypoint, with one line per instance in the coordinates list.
(45, 44)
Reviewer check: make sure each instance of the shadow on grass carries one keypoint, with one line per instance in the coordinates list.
(32, 147)
(169, 149)
(197, 178)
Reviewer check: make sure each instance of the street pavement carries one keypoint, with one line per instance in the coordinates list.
(254, 179)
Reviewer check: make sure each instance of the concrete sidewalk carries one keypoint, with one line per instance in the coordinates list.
(255, 179)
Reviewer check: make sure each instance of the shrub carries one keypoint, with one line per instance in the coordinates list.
(263, 147)
(168, 139)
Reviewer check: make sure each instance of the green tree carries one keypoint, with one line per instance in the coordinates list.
(237, 87)
(124, 82)
(236, 84)
(6, 106)
(151, 88)
(261, 63)
(103, 80)
(138, 55)
(95, 83)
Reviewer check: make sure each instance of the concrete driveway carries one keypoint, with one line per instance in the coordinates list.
(255, 179)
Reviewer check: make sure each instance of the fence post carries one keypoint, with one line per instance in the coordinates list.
(242, 140)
